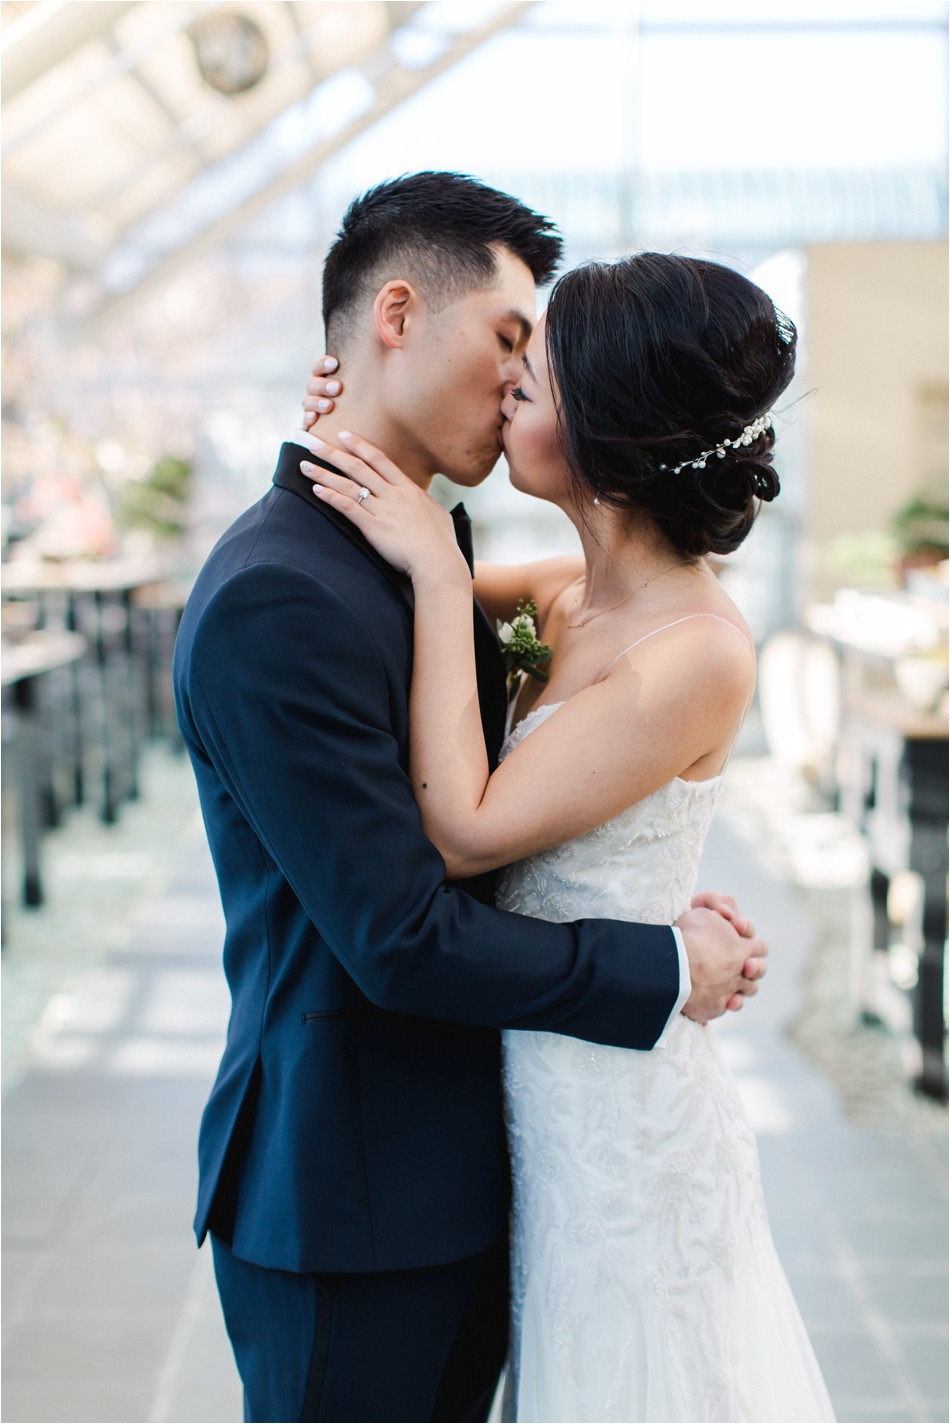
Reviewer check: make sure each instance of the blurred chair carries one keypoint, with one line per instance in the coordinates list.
(800, 697)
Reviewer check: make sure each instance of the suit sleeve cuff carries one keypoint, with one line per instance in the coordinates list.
(686, 986)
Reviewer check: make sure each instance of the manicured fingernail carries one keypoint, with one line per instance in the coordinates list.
(323, 405)
(332, 388)
(346, 435)
(330, 364)
(307, 468)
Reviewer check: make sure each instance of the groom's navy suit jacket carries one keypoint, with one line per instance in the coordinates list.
(356, 1120)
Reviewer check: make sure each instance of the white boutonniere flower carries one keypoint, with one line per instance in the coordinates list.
(520, 648)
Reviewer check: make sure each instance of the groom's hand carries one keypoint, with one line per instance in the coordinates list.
(726, 906)
(726, 958)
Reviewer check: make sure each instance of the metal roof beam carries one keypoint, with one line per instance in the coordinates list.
(30, 227)
(50, 33)
(392, 89)
(122, 63)
(190, 134)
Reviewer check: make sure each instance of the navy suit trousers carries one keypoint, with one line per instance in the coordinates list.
(423, 1344)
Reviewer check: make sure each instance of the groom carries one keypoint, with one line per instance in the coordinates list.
(354, 1175)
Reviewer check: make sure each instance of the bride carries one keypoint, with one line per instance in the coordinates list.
(645, 1282)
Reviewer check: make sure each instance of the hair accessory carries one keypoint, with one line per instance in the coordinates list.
(751, 432)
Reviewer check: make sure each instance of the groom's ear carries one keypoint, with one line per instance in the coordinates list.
(395, 304)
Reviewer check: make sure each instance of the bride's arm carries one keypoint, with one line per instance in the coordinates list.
(608, 747)
(605, 749)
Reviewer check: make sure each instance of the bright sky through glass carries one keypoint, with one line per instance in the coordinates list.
(576, 90)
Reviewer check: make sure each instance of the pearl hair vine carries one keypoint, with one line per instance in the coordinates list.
(751, 432)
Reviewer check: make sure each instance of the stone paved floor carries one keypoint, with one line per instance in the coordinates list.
(859, 1217)
(109, 1311)
(110, 1314)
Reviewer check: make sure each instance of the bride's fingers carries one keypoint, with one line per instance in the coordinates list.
(735, 1003)
(319, 386)
(351, 465)
(322, 387)
(324, 364)
(326, 479)
(374, 458)
(315, 406)
(354, 511)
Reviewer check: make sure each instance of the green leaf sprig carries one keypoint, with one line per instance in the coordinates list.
(520, 648)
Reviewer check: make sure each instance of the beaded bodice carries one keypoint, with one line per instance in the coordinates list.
(640, 865)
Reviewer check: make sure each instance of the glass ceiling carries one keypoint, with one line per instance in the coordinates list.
(138, 136)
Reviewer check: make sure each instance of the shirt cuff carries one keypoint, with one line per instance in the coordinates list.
(686, 985)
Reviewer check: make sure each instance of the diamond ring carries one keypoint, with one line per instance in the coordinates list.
(363, 494)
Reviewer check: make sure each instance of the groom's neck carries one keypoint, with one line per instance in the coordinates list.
(364, 415)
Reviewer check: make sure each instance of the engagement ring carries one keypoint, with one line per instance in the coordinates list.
(363, 494)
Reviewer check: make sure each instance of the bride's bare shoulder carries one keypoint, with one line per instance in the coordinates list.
(711, 646)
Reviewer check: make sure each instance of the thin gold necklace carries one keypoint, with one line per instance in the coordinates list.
(601, 611)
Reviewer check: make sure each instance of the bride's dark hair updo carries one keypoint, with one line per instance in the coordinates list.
(657, 359)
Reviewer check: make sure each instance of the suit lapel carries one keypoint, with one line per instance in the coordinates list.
(289, 477)
(463, 535)
(489, 666)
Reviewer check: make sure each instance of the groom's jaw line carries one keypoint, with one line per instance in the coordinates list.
(427, 386)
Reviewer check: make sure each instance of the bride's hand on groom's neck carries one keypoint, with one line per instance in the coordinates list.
(322, 389)
(400, 520)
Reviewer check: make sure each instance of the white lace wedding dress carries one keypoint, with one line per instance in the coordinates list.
(645, 1282)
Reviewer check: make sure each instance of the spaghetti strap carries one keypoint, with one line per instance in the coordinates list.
(745, 713)
(686, 619)
(674, 624)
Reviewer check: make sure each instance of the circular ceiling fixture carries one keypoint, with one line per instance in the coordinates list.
(231, 51)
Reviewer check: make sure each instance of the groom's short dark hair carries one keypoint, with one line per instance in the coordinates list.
(438, 228)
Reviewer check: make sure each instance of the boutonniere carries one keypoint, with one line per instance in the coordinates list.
(519, 645)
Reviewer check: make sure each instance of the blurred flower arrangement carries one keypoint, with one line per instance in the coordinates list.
(867, 559)
(873, 558)
(158, 502)
(921, 528)
(55, 504)
(69, 493)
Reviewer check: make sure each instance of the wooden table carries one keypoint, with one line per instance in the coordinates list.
(896, 790)
(21, 664)
(116, 580)
(39, 653)
(80, 575)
